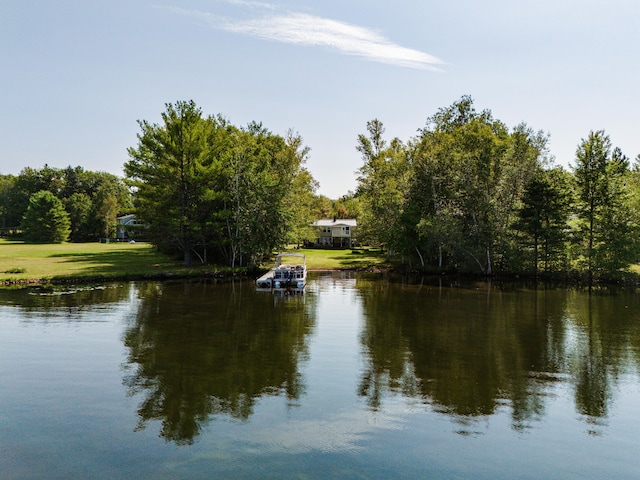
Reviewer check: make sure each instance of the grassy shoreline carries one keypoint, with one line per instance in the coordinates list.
(22, 263)
(27, 264)
(85, 263)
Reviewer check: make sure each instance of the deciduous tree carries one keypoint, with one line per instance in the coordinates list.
(382, 188)
(468, 173)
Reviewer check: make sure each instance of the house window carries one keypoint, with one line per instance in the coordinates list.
(326, 229)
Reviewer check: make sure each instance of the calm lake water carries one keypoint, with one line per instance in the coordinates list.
(364, 377)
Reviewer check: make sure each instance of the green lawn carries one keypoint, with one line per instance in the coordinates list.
(19, 261)
(361, 258)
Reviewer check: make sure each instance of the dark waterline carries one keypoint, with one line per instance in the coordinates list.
(363, 376)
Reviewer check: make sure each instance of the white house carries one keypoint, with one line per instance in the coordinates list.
(339, 232)
(125, 226)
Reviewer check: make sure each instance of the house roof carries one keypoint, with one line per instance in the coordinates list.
(328, 222)
(126, 219)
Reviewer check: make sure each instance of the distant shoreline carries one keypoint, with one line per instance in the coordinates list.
(27, 265)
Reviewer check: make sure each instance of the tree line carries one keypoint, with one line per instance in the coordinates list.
(217, 192)
(467, 194)
(52, 205)
(470, 195)
(204, 189)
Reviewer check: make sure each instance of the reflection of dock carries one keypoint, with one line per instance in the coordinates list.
(288, 293)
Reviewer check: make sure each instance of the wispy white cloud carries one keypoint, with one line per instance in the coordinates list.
(335, 433)
(247, 3)
(310, 30)
(303, 29)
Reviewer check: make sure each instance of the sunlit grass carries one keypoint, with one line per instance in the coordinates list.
(20, 261)
(24, 262)
(360, 258)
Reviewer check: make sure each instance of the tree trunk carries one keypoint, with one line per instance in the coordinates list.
(482, 269)
(535, 255)
(489, 270)
(546, 246)
(187, 253)
(590, 251)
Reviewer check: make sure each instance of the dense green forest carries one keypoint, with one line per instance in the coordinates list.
(80, 205)
(467, 194)
(219, 192)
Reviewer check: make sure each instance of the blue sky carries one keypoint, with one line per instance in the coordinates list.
(76, 75)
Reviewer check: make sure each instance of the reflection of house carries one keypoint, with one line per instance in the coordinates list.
(127, 227)
(335, 233)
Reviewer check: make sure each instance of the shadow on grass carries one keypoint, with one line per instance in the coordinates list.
(360, 264)
(63, 255)
(122, 264)
(361, 259)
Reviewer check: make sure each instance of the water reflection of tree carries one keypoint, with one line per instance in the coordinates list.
(469, 351)
(607, 335)
(64, 301)
(200, 350)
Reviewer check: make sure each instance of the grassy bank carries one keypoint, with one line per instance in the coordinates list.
(87, 262)
(357, 259)
(21, 263)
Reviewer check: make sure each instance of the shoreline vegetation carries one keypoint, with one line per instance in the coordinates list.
(23, 265)
(467, 197)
